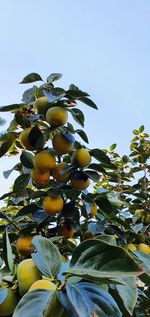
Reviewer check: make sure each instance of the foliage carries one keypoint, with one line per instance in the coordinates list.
(95, 271)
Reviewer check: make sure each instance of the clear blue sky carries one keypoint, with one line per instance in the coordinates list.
(103, 46)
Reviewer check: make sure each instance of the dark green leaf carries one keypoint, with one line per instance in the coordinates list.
(98, 259)
(6, 145)
(11, 107)
(22, 120)
(93, 175)
(29, 95)
(25, 211)
(30, 78)
(88, 102)
(21, 182)
(87, 299)
(102, 157)
(54, 94)
(82, 135)
(97, 167)
(53, 77)
(128, 294)
(75, 94)
(26, 159)
(78, 116)
(7, 252)
(141, 128)
(41, 303)
(47, 258)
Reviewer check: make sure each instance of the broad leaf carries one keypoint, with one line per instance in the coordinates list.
(128, 294)
(144, 260)
(26, 211)
(102, 157)
(26, 159)
(21, 182)
(30, 78)
(88, 300)
(88, 102)
(47, 257)
(78, 116)
(54, 94)
(41, 303)
(15, 106)
(7, 252)
(53, 77)
(82, 135)
(97, 259)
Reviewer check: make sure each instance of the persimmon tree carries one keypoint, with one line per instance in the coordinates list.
(74, 229)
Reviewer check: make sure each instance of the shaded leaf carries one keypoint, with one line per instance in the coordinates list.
(88, 102)
(21, 182)
(98, 259)
(53, 77)
(26, 159)
(102, 157)
(7, 252)
(93, 175)
(30, 78)
(87, 299)
(47, 258)
(128, 294)
(82, 135)
(78, 116)
(11, 107)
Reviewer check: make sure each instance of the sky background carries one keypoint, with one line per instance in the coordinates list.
(101, 46)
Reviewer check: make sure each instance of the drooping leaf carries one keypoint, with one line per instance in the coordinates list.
(78, 116)
(26, 210)
(26, 159)
(21, 182)
(11, 107)
(47, 257)
(82, 135)
(53, 77)
(102, 157)
(97, 259)
(93, 175)
(7, 252)
(88, 102)
(41, 303)
(128, 294)
(87, 299)
(30, 78)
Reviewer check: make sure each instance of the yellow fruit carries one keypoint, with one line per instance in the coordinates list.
(27, 274)
(9, 304)
(43, 284)
(80, 181)
(93, 210)
(63, 142)
(39, 177)
(44, 160)
(23, 245)
(147, 219)
(56, 116)
(143, 248)
(131, 247)
(24, 139)
(65, 230)
(53, 204)
(41, 105)
(61, 178)
(81, 157)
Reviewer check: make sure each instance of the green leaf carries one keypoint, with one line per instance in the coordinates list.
(107, 238)
(38, 303)
(21, 182)
(78, 116)
(5, 147)
(88, 102)
(102, 157)
(11, 107)
(29, 95)
(26, 159)
(113, 146)
(54, 94)
(97, 167)
(26, 210)
(47, 258)
(82, 135)
(30, 78)
(93, 175)
(75, 93)
(141, 128)
(135, 132)
(8, 172)
(53, 77)
(3, 294)
(22, 120)
(128, 294)
(144, 260)
(95, 258)
(87, 299)
(7, 252)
